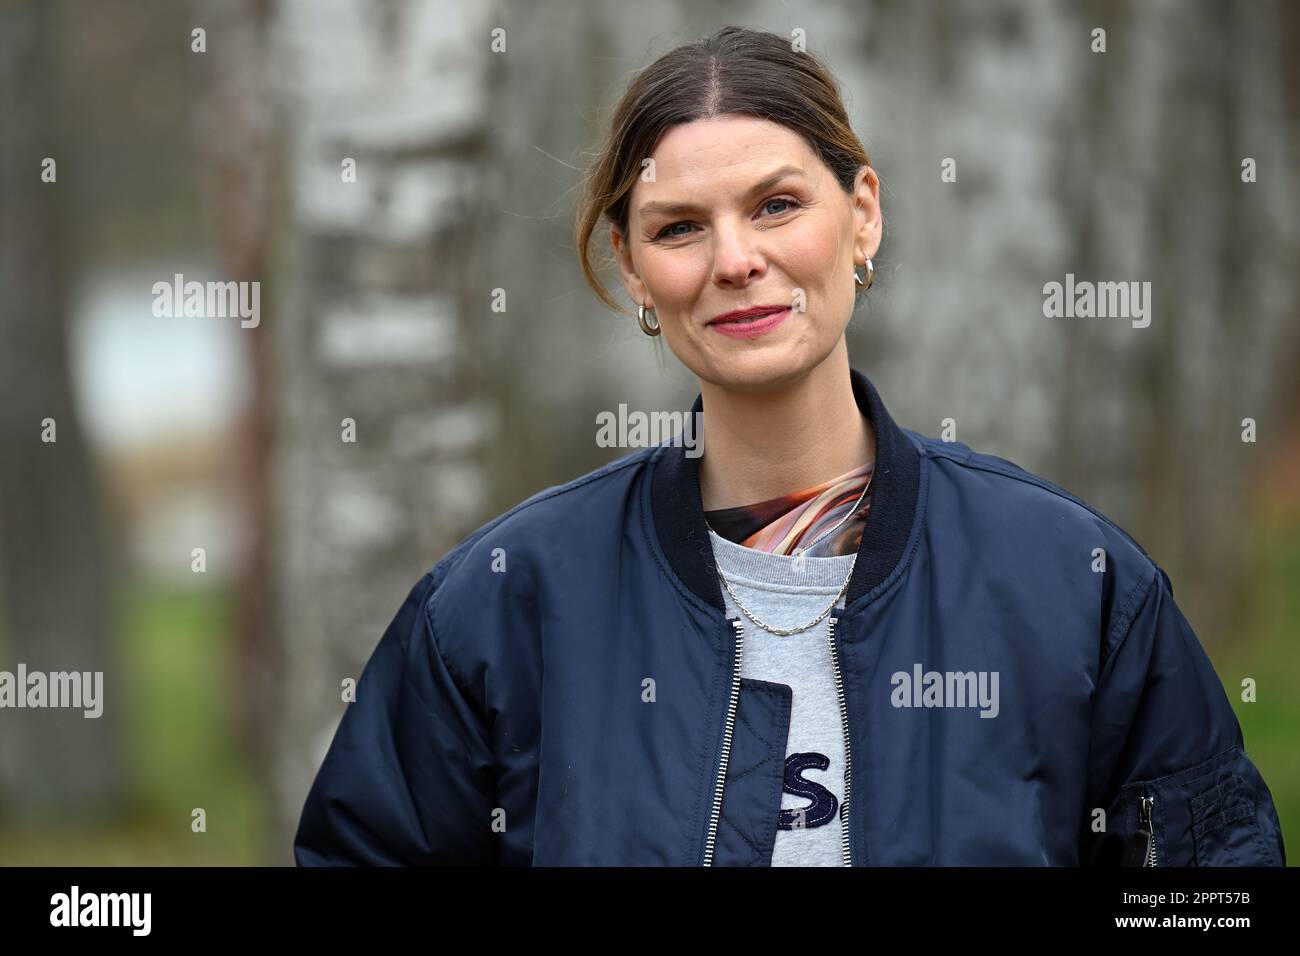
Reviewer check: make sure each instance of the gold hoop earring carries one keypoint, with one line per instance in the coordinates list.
(647, 328)
(871, 275)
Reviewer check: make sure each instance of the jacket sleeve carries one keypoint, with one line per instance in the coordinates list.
(1167, 756)
(409, 777)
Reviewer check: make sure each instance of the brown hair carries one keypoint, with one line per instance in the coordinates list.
(733, 70)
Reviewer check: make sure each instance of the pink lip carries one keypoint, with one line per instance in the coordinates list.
(748, 329)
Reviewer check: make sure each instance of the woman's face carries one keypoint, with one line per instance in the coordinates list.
(720, 227)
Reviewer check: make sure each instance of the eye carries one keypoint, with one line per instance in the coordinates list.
(662, 234)
(785, 199)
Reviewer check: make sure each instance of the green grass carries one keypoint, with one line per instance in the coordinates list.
(175, 648)
(1271, 723)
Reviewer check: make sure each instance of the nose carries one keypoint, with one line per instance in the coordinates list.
(737, 260)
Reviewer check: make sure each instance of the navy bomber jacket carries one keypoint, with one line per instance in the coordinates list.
(583, 706)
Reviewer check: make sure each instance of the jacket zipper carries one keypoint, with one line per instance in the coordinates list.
(716, 813)
(1145, 824)
(845, 850)
(1140, 850)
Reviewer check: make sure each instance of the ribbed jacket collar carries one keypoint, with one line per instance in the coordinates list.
(678, 509)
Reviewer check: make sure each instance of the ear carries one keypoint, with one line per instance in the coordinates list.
(627, 271)
(867, 223)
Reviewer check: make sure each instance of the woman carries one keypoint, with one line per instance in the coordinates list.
(829, 640)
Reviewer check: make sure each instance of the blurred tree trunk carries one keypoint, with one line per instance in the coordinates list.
(237, 141)
(374, 323)
(55, 764)
(1125, 166)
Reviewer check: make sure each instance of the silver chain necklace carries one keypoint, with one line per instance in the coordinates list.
(782, 631)
(786, 632)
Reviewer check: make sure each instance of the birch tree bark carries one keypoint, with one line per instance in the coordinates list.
(1122, 165)
(381, 425)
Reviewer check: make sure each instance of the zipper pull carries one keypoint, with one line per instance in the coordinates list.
(1141, 848)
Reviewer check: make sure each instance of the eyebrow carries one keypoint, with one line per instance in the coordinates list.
(682, 208)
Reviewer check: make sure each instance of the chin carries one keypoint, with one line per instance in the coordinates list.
(757, 369)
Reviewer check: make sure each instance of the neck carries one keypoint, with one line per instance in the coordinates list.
(762, 444)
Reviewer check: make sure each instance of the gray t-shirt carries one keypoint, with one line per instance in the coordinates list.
(786, 592)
